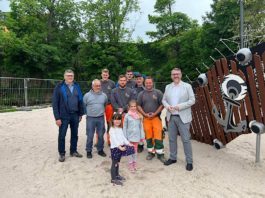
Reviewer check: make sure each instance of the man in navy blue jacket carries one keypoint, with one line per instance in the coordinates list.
(67, 103)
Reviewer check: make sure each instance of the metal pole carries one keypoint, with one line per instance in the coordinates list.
(26, 91)
(258, 148)
(241, 23)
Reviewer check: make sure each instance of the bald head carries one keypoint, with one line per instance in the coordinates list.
(96, 85)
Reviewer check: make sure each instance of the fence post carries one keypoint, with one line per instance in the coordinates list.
(26, 91)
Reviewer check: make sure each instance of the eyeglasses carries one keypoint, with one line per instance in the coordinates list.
(175, 74)
(69, 75)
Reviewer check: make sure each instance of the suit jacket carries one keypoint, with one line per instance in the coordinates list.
(186, 100)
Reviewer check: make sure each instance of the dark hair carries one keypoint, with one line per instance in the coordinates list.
(116, 116)
(129, 71)
(149, 77)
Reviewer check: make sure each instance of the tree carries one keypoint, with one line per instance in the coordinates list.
(168, 23)
(105, 19)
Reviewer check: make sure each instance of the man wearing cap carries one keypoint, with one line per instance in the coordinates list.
(139, 87)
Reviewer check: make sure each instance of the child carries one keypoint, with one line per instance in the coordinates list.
(119, 147)
(133, 131)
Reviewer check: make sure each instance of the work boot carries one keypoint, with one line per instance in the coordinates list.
(161, 157)
(150, 156)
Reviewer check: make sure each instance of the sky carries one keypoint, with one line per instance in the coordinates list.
(195, 9)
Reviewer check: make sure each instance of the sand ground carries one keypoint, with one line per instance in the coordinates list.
(29, 166)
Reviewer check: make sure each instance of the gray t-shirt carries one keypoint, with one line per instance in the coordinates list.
(106, 87)
(131, 84)
(95, 103)
(120, 98)
(150, 100)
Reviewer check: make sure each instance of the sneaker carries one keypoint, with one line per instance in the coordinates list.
(140, 148)
(189, 167)
(89, 155)
(76, 154)
(120, 178)
(102, 153)
(161, 157)
(61, 158)
(150, 156)
(116, 182)
(169, 162)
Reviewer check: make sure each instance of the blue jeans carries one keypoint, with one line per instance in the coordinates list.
(74, 123)
(95, 124)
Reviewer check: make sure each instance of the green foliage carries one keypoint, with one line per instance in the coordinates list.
(41, 38)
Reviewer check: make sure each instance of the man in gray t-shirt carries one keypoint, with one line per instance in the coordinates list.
(121, 96)
(106, 86)
(150, 106)
(95, 102)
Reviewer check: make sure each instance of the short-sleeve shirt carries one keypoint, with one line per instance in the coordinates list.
(150, 100)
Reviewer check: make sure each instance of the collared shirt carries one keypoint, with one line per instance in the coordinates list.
(95, 103)
(174, 93)
(71, 87)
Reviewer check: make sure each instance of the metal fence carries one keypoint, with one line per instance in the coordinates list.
(23, 92)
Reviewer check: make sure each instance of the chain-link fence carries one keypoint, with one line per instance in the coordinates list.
(24, 92)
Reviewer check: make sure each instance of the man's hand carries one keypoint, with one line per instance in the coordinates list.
(170, 108)
(80, 118)
(58, 123)
(151, 115)
(176, 108)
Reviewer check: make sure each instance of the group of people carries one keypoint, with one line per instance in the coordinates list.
(132, 112)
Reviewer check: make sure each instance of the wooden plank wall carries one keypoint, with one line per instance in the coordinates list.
(204, 127)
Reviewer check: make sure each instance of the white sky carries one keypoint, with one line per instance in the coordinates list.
(195, 9)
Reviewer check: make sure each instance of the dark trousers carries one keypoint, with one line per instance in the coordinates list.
(114, 171)
(73, 121)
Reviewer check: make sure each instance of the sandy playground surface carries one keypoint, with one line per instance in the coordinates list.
(29, 166)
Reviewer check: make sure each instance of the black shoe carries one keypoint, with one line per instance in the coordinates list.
(102, 153)
(116, 182)
(189, 167)
(140, 148)
(76, 154)
(161, 157)
(150, 156)
(61, 158)
(169, 162)
(120, 178)
(89, 155)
